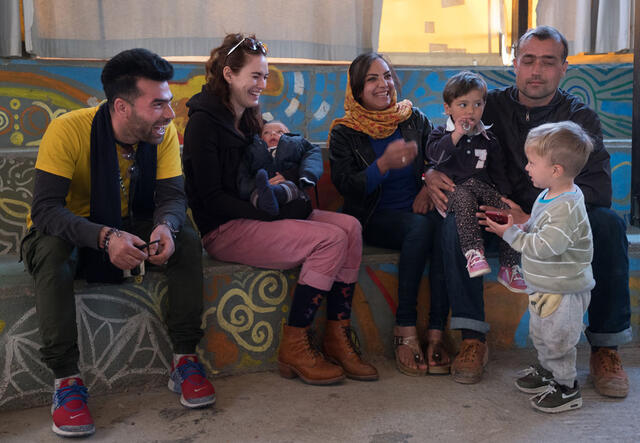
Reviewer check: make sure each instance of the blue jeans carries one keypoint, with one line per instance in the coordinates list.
(416, 236)
(609, 310)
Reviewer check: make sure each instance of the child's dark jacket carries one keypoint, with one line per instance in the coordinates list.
(461, 162)
(295, 159)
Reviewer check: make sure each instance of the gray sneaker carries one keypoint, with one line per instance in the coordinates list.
(534, 380)
(558, 398)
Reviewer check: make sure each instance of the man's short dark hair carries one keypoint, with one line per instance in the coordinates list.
(121, 73)
(461, 84)
(545, 33)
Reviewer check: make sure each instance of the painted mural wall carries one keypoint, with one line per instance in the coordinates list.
(306, 98)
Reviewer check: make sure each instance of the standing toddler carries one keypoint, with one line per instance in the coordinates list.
(557, 249)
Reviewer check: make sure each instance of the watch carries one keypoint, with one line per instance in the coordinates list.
(170, 225)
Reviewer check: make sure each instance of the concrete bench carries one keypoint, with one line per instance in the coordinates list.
(123, 341)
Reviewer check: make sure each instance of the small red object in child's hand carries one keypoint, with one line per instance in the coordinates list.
(498, 217)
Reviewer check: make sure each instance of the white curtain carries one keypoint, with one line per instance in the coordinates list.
(10, 37)
(323, 30)
(615, 26)
(590, 25)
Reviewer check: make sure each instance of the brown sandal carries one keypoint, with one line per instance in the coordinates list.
(414, 344)
(438, 361)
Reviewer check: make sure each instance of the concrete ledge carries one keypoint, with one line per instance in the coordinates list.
(122, 338)
(123, 341)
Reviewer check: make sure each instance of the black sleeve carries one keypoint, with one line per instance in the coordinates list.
(171, 202)
(50, 216)
(426, 134)
(311, 164)
(348, 173)
(440, 146)
(595, 178)
(246, 180)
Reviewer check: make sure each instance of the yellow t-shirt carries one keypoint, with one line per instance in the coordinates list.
(65, 150)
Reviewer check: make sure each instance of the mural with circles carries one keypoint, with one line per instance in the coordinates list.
(305, 97)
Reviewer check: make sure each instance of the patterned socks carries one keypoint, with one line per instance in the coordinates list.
(339, 301)
(306, 301)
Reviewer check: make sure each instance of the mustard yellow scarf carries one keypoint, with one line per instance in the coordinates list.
(376, 124)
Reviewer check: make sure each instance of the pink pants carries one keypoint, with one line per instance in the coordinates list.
(328, 245)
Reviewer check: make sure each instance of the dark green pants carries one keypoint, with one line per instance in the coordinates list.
(53, 263)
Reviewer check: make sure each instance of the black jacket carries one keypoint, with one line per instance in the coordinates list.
(461, 162)
(512, 122)
(211, 155)
(350, 153)
(295, 158)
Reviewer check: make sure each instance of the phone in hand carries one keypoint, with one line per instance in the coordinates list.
(497, 217)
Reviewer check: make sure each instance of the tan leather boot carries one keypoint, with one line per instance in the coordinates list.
(339, 347)
(297, 357)
(469, 364)
(609, 378)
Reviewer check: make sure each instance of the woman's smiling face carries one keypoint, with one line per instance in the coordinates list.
(248, 83)
(378, 86)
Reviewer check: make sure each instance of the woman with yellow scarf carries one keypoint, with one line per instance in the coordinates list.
(377, 161)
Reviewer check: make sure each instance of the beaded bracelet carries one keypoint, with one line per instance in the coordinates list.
(107, 238)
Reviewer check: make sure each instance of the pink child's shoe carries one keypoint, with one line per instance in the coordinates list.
(512, 278)
(476, 263)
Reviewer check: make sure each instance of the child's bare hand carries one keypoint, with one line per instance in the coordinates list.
(519, 216)
(462, 126)
(497, 228)
(276, 179)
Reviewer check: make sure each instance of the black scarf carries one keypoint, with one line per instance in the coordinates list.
(105, 191)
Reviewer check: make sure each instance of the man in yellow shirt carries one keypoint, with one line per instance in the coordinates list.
(107, 178)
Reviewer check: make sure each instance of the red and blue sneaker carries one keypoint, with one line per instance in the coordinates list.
(71, 416)
(188, 378)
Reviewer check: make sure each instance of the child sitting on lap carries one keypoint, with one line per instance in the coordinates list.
(557, 249)
(277, 168)
(470, 155)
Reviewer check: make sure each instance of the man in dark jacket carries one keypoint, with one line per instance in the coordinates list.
(107, 178)
(539, 65)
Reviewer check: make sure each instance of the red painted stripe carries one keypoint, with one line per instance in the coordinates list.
(385, 293)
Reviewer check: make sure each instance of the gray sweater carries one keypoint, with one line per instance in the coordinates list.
(556, 244)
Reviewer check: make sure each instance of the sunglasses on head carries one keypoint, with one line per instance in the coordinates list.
(250, 44)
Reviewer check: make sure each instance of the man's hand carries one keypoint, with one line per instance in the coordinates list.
(422, 203)
(277, 179)
(122, 250)
(159, 253)
(515, 211)
(497, 228)
(437, 182)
